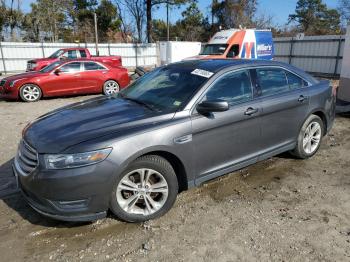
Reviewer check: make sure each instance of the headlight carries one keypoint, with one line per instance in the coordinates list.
(13, 82)
(61, 161)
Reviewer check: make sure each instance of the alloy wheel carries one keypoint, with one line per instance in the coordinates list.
(31, 93)
(142, 191)
(312, 137)
(111, 87)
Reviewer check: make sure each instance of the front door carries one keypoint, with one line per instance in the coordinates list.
(67, 81)
(227, 139)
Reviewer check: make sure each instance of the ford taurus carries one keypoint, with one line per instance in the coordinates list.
(172, 129)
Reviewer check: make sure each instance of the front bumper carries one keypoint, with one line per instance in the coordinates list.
(79, 194)
(8, 93)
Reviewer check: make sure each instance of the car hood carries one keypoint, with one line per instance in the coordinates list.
(23, 76)
(39, 60)
(80, 122)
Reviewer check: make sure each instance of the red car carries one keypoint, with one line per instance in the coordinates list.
(65, 78)
(71, 53)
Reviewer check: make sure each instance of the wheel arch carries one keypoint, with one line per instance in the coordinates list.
(321, 114)
(30, 83)
(175, 162)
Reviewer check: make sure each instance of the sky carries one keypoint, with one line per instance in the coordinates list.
(279, 9)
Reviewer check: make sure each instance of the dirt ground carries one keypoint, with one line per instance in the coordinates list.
(282, 209)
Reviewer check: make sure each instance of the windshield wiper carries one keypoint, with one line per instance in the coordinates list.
(137, 101)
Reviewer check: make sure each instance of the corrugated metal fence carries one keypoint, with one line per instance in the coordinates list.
(319, 55)
(14, 55)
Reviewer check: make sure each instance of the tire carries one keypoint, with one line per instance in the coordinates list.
(309, 138)
(110, 87)
(135, 205)
(30, 93)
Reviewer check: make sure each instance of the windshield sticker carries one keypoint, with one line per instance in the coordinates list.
(177, 103)
(203, 73)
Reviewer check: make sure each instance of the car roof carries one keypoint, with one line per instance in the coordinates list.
(217, 65)
(83, 60)
(73, 48)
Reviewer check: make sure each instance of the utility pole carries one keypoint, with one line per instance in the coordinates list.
(96, 35)
(167, 21)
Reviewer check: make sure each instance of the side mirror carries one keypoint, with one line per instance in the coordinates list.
(206, 107)
(57, 71)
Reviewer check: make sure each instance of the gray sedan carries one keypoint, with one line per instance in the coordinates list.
(172, 129)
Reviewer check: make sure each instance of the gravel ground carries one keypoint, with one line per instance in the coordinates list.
(281, 209)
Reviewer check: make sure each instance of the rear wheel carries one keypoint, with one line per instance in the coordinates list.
(30, 93)
(310, 137)
(110, 87)
(146, 190)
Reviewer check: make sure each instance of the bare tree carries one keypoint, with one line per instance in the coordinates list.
(137, 10)
(124, 26)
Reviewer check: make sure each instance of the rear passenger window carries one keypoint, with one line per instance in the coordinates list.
(272, 81)
(71, 54)
(295, 81)
(233, 87)
(89, 66)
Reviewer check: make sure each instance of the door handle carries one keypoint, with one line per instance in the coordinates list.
(302, 98)
(250, 111)
(76, 75)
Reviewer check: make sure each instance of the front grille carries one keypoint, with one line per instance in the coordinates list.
(26, 160)
(2, 82)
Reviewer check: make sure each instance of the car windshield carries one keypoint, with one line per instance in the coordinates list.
(165, 89)
(214, 49)
(50, 67)
(57, 53)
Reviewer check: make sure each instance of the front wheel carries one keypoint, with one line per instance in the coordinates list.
(310, 137)
(30, 93)
(110, 87)
(146, 190)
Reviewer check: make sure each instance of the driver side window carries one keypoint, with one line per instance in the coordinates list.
(234, 87)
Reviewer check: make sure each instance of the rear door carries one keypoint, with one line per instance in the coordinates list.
(225, 139)
(93, 76)
(67, 81)
(285, 102)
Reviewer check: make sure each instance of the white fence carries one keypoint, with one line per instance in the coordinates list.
(14, 55)
(320, 55)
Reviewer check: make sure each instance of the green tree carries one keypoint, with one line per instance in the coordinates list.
(150, 4)
(233, 13)
(191, 28)
(313, 17)
(159, 30)
(107, 19)
(82, 19)
(47, 20)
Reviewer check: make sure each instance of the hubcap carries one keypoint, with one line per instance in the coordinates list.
(142, 191)
(312, 137)
(31, 92)
(111, 87)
